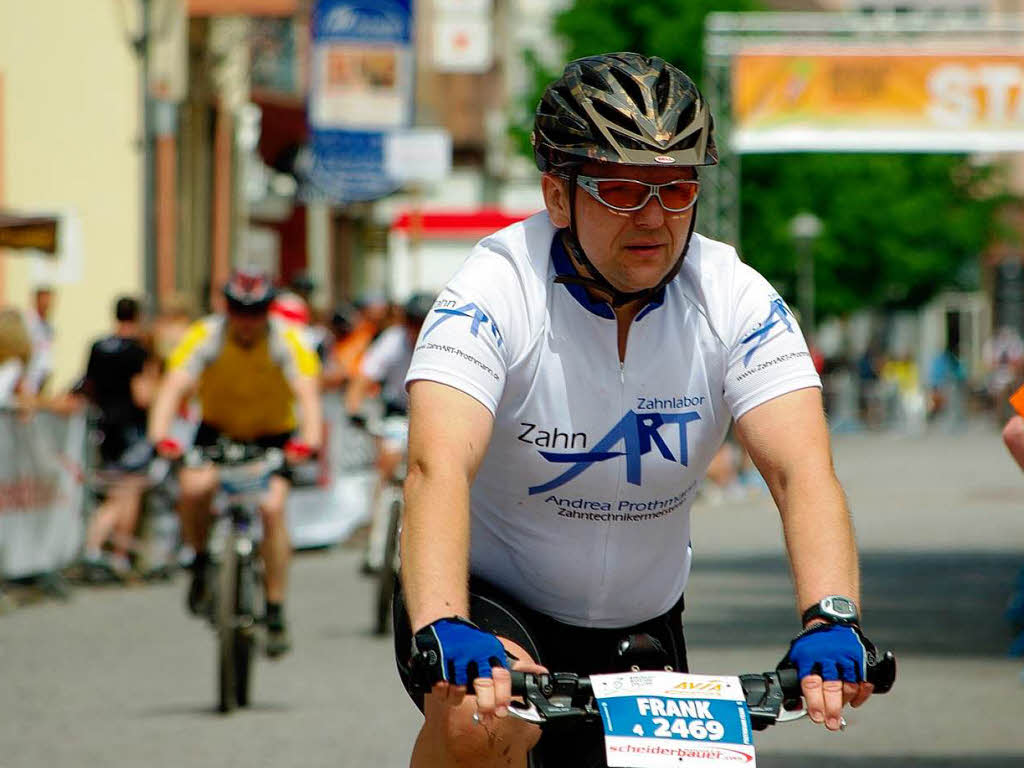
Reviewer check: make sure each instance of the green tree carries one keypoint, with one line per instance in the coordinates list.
(897, 228)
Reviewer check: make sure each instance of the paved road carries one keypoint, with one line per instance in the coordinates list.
(119, 677)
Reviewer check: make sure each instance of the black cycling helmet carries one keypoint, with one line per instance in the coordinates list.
(623, 108)
(418, 306)
(249, 290)
(628, 109)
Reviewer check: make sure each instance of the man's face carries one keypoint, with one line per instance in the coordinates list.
(246, 329)
(634, 250)
(44, 299)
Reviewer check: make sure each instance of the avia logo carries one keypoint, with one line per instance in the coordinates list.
(639, 434)
(703, 686)
(477, 317)
(778, 312)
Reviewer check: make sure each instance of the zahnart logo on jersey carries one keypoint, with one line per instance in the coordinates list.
(633, 437)
(778, 313)
(477, 317)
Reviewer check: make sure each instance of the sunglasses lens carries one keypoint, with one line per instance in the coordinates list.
(626, 194)
(623, 193)
(678, 197)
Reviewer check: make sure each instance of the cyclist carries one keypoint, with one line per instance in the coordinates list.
(251, 374)
(385, 364)
(567, 393)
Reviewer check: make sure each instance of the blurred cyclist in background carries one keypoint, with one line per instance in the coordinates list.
(251, 374)
(120, 379)
(370, 321)
(385, 364)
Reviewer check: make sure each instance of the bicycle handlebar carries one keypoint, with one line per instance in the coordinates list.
(564, 696)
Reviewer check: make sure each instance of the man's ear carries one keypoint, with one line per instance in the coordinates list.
(556, 199)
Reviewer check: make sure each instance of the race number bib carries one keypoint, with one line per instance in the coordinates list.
(655, 719)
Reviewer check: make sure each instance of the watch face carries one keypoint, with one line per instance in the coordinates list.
(840, 606)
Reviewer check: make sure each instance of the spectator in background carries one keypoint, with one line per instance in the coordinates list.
(1004, 358)
(120, 379)
(37, 320)
(946, 379)
(869, 369)
(15, 353)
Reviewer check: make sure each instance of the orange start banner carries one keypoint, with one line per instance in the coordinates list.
(877, 101)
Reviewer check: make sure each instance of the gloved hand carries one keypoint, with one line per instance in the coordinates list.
(456, 651)
(168, 448)
(297, 451)
(831, 661)
(834, 651)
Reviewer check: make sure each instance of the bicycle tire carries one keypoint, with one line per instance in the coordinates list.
(226, 611)
(244, 638)
(386, 578)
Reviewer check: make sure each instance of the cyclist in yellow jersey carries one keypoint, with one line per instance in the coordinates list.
(251, 373)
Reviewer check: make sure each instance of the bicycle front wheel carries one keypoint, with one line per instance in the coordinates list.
(226, 612)
(388, 568)
(244, 637)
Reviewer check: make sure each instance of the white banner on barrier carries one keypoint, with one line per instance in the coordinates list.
(40, 496)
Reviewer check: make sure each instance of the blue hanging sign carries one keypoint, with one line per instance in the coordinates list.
(361, 80)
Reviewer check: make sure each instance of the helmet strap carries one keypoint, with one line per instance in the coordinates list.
(598, 282)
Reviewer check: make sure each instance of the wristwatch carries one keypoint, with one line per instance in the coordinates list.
(835, 609)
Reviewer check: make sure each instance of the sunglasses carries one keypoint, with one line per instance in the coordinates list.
(632, 195)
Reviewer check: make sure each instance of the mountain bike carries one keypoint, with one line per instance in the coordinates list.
(236, 577)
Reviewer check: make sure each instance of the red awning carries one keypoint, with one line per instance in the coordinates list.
(457, 225)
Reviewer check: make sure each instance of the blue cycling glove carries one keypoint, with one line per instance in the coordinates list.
(834, 651)
(456, 651)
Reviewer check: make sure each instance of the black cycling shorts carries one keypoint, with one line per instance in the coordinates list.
(207, 435)
(558, 646)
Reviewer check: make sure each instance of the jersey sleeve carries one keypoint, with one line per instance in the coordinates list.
(196, 349)
(474, 330)
(767, 355)
(297, 354)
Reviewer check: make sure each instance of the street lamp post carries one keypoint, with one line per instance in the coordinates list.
(805, 228)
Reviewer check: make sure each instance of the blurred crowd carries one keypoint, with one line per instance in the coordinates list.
(118, 383)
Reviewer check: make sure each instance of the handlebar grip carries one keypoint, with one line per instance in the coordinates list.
(882, 672)
(789, 682)
(518, 683)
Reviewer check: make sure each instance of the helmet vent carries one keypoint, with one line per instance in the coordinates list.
(591, 78)
(629, 141)
(688, 143)
(632, 89)
(615, 117)
(686, 118)
(661, 89)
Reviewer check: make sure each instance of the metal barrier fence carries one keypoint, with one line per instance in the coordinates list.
(40, 492)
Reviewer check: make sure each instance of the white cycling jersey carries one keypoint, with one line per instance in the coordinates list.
(581, 507)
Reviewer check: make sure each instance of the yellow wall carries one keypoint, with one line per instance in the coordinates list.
(70, 128)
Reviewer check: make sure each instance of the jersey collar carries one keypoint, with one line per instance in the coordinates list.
(564, 266)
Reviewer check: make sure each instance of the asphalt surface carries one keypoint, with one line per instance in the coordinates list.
(121, 677)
